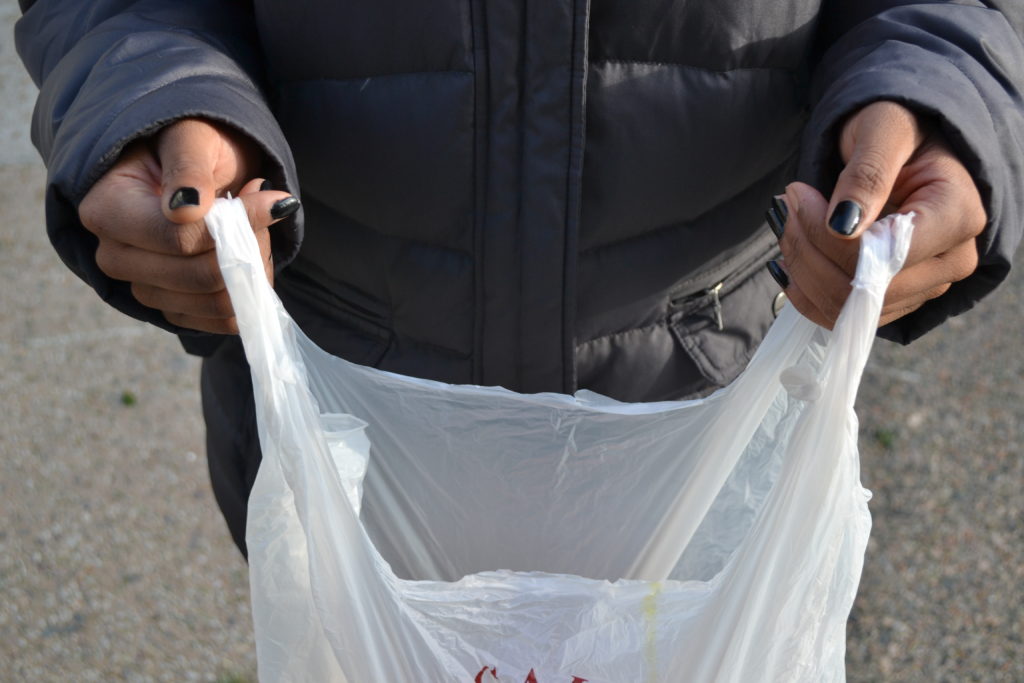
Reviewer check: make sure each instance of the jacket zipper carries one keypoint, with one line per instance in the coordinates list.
(696, 300)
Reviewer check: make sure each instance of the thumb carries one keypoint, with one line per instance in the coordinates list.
(875, 143)
(187, 154)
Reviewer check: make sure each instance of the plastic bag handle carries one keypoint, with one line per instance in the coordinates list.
(883, 250)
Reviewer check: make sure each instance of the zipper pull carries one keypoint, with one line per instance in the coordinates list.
(717, 302)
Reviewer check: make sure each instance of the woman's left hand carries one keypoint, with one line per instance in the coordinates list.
(893, 164)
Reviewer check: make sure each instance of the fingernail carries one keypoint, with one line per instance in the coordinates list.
(184, 196)
(284, 208)
(776, 222)
(846, 217)
(266, 185)
(781, 207)
(778, 273)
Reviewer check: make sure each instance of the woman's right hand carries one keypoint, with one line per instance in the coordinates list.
(147, 213)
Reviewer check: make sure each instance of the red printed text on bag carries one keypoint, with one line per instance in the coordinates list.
(530, 677)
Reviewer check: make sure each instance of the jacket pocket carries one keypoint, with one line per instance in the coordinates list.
(345, 324)
(721, 325)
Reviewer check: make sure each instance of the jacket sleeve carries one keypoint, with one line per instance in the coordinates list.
(111, 71)
(959, 63)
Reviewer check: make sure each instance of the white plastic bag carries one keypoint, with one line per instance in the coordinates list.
(552, 538)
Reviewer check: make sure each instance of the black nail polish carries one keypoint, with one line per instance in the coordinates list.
(846, 217)
(184, 196)
(266, 185)
(776, 222)
(284, 208)
(778, 273)
(781, 207)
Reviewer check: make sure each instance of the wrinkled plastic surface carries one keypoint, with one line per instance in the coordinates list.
(405, 531)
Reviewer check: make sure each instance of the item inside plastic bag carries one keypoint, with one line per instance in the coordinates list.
(402, 530)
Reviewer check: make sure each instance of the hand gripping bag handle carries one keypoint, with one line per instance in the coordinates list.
(883, 250)
(381, 640)
(287, 417)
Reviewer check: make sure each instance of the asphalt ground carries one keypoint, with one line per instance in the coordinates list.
(115, 564)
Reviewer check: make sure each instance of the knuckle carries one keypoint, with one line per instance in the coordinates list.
(161, 235)
(794, 246)
(959, 271)
(220, 306)
(897, 310)
(174, 318)
(978, 220)
(188, 239)
(847, 259)
(945, 165)
(936, 292)
(962, 262)
(143, 294)
(831, 313)
(806, 307)
(965, 267)
(799, 300)
(174, 239)
(202, 280)
(90, 214)
(184, 166)
(108, 260)
(967, 201)
(868, 172)
(833, 303)
(204, 276)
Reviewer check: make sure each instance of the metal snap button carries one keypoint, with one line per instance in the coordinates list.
(778, 302)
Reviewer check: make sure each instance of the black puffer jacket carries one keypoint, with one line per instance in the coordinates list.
(546, 194)
(543, 195)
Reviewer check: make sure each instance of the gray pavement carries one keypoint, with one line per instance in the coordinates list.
(115, 565)
(114, 562)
